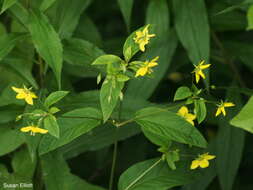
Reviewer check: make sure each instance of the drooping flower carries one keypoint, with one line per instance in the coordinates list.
(25, 93)
(222, 106)
(184, 112)
(146, 68)
(199, 70)
(202, 161)
(142, 38)
(33, 129)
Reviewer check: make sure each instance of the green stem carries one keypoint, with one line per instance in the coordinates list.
(143, 174)
(114, 159)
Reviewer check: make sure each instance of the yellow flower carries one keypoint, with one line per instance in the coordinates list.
(142, 38)
(25, 93)
(183, 112)
(33, 130)
(202, 161)
(198, 70)
(146, 68)
(221, 108)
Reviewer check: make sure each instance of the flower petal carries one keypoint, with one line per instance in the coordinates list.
(204, 66)
(218, 112)
(228, 104)
(195, 164)
(204, 163)
(183, 111)
(29, 100)
(18, 90)
(39, 130)
(26, 129)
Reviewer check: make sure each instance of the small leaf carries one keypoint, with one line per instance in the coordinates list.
(182, 93)
(54, 97)
(54, 110)
(50, 123)
(109, 95)
(46, 4)
(171, 158)
(107, 59)
(200, 109)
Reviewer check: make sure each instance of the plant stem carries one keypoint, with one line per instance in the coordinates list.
(143, 174)
(114, 159)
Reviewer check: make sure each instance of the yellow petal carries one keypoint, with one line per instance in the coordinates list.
(203, 163)
(228, 104)
(21, 95)
(151, 35)
(201, 74)
(204, 66)
(183, 111)
(218, 112)
(223, 110)
(197, 77)
(39, 130)
(29, 100)
(190, 116)
(141, 71)
(195, 164)
(190, 121)
(18, 90)
(209, 157)
(142, 46)
(152, 64)
(201, 62)
(26, 129)
(33, 95)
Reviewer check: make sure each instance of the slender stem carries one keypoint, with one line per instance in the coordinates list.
(143, 174)
(115, 151)
(81, 117)
(114, 159)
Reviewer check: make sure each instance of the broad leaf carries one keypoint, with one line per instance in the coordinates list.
(7, 4)
(126, 9)
(200, 109)
(170, 126)
(46, 42)
(72, 125)
(158, 177)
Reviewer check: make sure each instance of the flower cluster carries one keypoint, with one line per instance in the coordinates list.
(26, 94)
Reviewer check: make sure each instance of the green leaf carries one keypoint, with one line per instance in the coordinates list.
(156, 139)
(10, 139)
(46, 42)
(158, 177)
(72, 124)
(193, 32)
(59, 177)
(126, 9)
(22, 164)
(170, 126)
(109, 95)
(7, 4)
(107, 59)
(250, 18)
(8, 42)
(200, 109)
(244, 118)
(46, 4)
(50, 123)
(160, 27)
(64, 16)
(182, 93)
(54, 97)
(145, 87)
